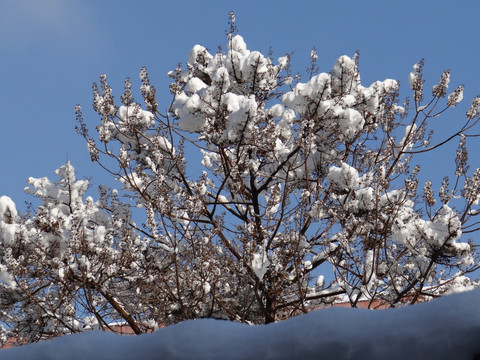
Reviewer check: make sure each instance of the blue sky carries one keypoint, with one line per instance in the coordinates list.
(52, 51)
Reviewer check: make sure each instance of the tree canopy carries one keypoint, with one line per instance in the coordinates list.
(305, 193)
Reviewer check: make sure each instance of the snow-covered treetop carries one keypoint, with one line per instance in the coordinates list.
(256, 195)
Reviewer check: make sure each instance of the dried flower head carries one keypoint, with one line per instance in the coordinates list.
(473, 111)
(416, 81)
(461, 160)
(440, 89)
(455, 97)
(428, 195)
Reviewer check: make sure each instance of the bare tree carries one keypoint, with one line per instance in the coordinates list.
(306, 193)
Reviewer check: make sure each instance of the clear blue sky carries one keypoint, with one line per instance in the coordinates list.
(52, 50)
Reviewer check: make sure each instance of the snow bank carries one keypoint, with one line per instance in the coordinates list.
(447, 328)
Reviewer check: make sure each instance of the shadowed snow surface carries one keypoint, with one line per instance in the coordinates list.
(447, 328)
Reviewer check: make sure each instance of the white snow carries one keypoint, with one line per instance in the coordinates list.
(198, 53)
(345, 177)
(259, 265)
(7, 208)
(447, 328)
(136, 115)
(413, 76)
(206, 287)
(195, 85)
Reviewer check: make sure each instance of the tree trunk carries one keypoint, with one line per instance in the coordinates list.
(270, 311)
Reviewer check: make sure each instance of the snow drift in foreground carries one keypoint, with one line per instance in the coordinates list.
(447, 328)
